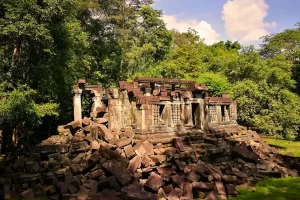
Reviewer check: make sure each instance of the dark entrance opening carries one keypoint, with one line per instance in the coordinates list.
(196, 113)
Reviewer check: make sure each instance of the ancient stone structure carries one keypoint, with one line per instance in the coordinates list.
(150, 139)
(157, 107)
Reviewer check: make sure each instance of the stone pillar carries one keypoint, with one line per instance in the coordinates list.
(114, 114)
(233, 111)
(97, 100)
(77, 104)
(219, 113)
(226, 114)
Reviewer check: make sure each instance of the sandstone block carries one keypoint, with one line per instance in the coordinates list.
(148, 148)
(193, 177)
(188, 191)
(123, 142)
(79, 136)
(178, 144)
(134, 163)
(154, 182)
(129, 151)
(178, 180)
(123, 175)
(105, 133)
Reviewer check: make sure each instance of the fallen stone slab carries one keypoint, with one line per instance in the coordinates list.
(128, 133)
(154, 182)
(193, 177)
(219, 188)
(129, 151)
(202, 186)
(161, 194)
(109, 154)
(134, 164)
(169, 188)
(79, 136)
(48, 149)
(105, 133)
(123, 142)
(188, 191)
(245, 154)
(123, 175)
(175, 194)
(148, 147)
(178, 180)
(231, 189)
(211, 196)
(178, 144)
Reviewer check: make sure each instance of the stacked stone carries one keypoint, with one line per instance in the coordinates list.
(88, 161)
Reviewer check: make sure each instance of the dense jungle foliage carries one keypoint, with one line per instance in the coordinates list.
(47, 45)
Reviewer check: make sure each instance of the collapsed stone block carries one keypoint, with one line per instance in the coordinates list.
(154, 182)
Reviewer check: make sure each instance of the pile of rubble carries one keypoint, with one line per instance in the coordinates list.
(88, 161)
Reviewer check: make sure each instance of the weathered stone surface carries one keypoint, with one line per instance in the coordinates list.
(135, 192)
(128, 133)
(95, 145)
(211, 196)
(193, 177)
(178, 180)
(123, 142)
(105, 133)
(134, 164)
(180, 165)
(79, 146)
(219, 188)
(129, 151)
(123, 175)
(178, 144)
(245, 154)
(202, 186)
(105, 195)
(167, 189)
(231, 190)
(109, 154)
(75, 168)
(188, 191)
(158, 158)
(161, 194)
(79, 136)
(47, 149)
(148, 148)
(139, 149)
(154, 181)
(175, 194)
(86, 121)
(100, 120)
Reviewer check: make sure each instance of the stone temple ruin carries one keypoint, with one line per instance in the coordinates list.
(149, 139)
(157, 107)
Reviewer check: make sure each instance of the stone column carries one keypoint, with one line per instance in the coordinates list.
(77, 104)
(97, 100)
(114, 114)
(219, 114)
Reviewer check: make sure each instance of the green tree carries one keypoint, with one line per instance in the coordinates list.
(43, 46)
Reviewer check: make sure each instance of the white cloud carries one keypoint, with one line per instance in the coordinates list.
(203, 28)
(244, 19)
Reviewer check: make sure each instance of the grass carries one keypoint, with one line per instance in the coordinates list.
(271, 189)
(285, 146)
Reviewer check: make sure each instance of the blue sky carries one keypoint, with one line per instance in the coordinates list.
(242, 20)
